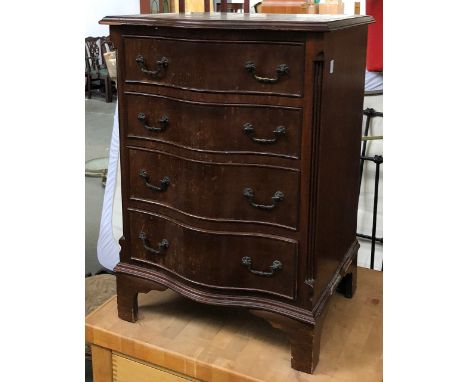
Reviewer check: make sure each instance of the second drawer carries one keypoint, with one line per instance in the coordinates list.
(215, 191)
(214, 127)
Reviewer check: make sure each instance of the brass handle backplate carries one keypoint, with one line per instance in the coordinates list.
(281, 70)
(278, 132)
(164, 182)
(161, 246)
(275, 266)
(276, 198)
(163, 122)
(161, 65)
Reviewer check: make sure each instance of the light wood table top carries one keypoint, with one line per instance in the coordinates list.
(220, 344)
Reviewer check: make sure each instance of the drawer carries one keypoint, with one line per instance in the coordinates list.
(125, 369)
(209, 127)
(215, 191)
(217, 66)
(223, 260)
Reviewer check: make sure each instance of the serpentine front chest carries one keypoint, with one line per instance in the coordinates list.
(240, 138)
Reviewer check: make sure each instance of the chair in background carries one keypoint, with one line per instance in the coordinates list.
(92, 55)
(160, 6)
(106, 46)
(97, 75)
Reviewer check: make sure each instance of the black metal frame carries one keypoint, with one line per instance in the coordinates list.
(378, 160)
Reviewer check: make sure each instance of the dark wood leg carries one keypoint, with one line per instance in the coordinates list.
(108, 88)
(128, 288)
(88, 85)
(349, 282)
(304, 338)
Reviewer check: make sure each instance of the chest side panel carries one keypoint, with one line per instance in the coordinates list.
(337, 161)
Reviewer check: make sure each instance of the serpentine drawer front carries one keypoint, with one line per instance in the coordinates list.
(234, 66)
(215, 259)
(217, 191)
(221, 128)
(239, 146)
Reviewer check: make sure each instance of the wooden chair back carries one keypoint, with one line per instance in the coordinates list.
(161, 6)
(92, 53)
(106, 46)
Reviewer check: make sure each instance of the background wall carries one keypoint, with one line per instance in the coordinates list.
(95, 10)
(349, 6)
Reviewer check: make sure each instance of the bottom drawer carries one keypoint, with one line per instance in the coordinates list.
(223, 260)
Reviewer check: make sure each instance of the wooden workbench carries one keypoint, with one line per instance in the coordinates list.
(176, 339)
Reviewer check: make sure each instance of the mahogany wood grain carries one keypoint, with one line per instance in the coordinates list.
(304, 338)
(216, 65)
(204, 212)
(127, 295)
(213, 96)
(337, 180)
(218, 128)
(141, 277)
(215, 190)
(212, 35)
(313, 82)
(220, 157)
(239, 21)
(217, 225)
(214, 259)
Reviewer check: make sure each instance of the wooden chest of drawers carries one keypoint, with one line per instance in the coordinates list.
(240, 140)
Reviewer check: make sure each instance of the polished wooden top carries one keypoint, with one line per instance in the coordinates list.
(213, 343)
(252, 21)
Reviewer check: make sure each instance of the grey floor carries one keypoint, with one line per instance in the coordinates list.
(98, 126)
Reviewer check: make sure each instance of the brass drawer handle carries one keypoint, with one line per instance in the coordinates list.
(276, 266)
(249, 130)
(162, 246)
(276, 198)
(281, 70)
(164, 182)
(163, 122)
(161, 65)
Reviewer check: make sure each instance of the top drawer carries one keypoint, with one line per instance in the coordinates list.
(216, 66)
